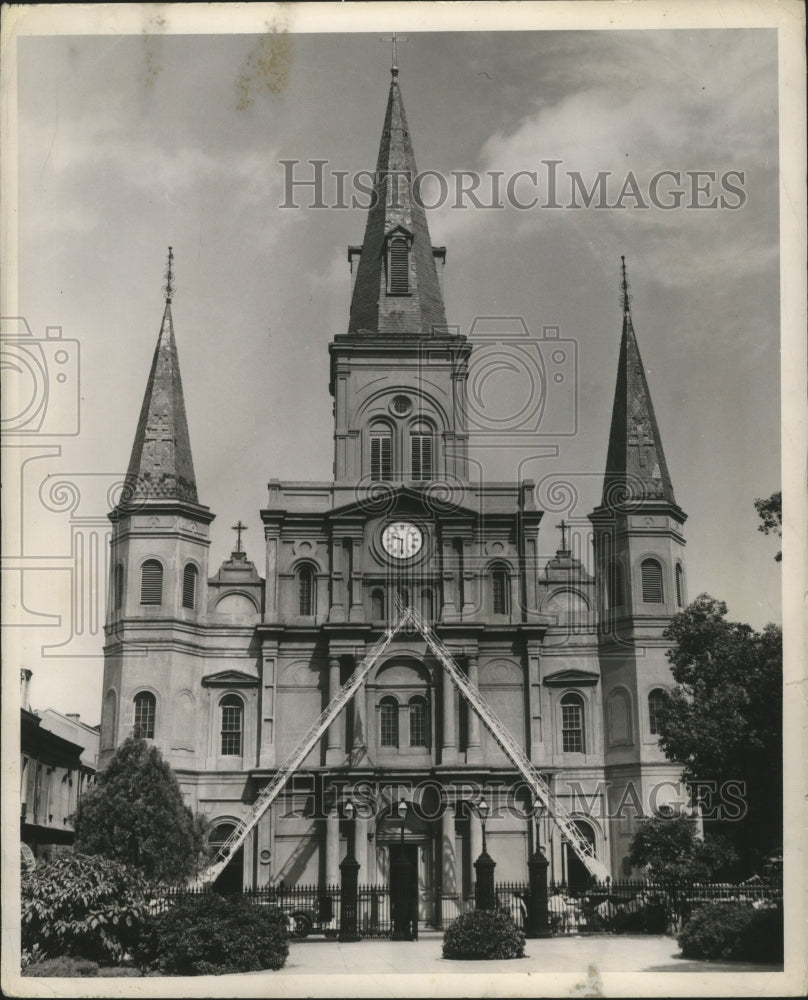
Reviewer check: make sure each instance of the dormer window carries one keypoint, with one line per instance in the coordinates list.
(398, 265)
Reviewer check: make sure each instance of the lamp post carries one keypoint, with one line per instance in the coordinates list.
(484, 895)
(349, 884)
(400, 885)
(538, 923)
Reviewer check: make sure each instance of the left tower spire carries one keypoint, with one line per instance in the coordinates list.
(161, 466)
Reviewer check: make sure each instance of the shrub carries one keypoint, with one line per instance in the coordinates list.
(484, 934)
(762, 938)
(209, 934)
(86, 907)
(715, 931)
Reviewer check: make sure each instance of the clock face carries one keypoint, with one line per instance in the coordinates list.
(402, 540)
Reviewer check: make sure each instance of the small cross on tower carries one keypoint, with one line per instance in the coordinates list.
(640, 440)
(394, 38)
(239, 528)
(563, 529)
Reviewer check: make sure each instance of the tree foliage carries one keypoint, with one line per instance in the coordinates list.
(723, 721)
(135, 814)
(770, 510)
(672, 852)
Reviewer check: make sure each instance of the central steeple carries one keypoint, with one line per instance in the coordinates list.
(397, 289)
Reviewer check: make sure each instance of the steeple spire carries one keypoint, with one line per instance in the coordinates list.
(635, 465)
(397, 289)
(161, 466)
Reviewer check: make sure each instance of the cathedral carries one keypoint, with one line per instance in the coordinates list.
(225, 669)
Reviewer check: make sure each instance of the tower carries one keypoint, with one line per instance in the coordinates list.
(159, 563)
(639, 558)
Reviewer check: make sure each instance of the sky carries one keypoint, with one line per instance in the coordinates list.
(130, 143)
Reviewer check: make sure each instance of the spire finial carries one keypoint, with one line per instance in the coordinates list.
(168, 287)
(239, 528)
(563, 526)
(625, 297)
(394, 38)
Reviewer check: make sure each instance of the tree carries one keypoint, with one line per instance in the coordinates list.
(135, 814)
(770, 510)
(673, 853)
(723, 721)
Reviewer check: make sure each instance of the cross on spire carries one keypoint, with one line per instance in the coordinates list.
(239, 528)
(625, 296)
(168, 287)
(562, 527)
(640, 439)
(394, 38)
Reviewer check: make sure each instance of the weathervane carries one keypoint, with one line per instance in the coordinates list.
(625, 297)
(239, 528)
(168, 287)
(394, 38)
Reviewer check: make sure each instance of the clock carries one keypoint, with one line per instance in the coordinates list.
(402, 540)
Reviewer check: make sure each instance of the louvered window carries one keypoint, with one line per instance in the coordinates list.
(118, 588)
(680, 587)
(398, 274)
(651, 582)
(499, 591)
(189, 576)
(572, 724)
(381, 455)
(145, 710)
(389, 722)
(418, 722)
(151, 582)
(232, 709)
(421, 453)
(305, 591)
(656, 702)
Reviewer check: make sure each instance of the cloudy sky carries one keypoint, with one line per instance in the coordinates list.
(129, 143)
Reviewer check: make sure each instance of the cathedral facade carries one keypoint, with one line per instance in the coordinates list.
(225, 671)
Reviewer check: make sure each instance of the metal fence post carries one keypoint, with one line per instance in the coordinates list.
(538, 924)
(349, 877)
(484, 895)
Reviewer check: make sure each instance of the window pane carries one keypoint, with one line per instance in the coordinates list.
(151, 583)
(679, 587)
(144, 715)
(417, 723)
(656, 699)
(499, 588)
(232, 712)
(572, 725)
(189, 587)
(651, 582)
(306, 592)
(389, 723)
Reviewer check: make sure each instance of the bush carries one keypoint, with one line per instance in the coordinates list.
(762, 938)
(86, 907)
(714, 930)
(484, 934)
(208, 934)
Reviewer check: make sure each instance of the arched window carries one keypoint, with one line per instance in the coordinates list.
(572, 724)
(651, 572)
(427, 605)
(680, 586)
(232, 719)
(381, 452)
(388, 710)
(614, 583)
(421, 451)
(117, 588)
(377, 603)
(145, 711)
(151, 582)
(398, 266)
(418, 722)
(500, 591)
(189, 576)
(656, 702)
(306, 594)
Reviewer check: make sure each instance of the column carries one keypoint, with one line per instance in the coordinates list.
(449, 610)
(474, 752)
(476, 839)
(336, 731)
(268, 694)
(332, 847)
(449, 889)
(449, 738)
(361, 848)
(271, 586)
(336, 611)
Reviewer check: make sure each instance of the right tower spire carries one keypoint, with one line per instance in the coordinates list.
(635, 465)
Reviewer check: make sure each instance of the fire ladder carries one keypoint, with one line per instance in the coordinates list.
(580, 845)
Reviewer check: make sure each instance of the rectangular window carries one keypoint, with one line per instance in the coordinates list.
(421, 452)
(572, 729)
(380, 457)
(231, 730)
(499, 591)
(389, 724)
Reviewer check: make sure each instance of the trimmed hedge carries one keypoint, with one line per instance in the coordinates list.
(484, 934)
(733, 931)
(211, 935)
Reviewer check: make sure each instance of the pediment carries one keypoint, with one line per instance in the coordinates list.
(404, 499)
(571, 678)
(229, 678)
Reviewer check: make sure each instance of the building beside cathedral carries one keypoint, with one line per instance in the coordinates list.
(226, 668)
